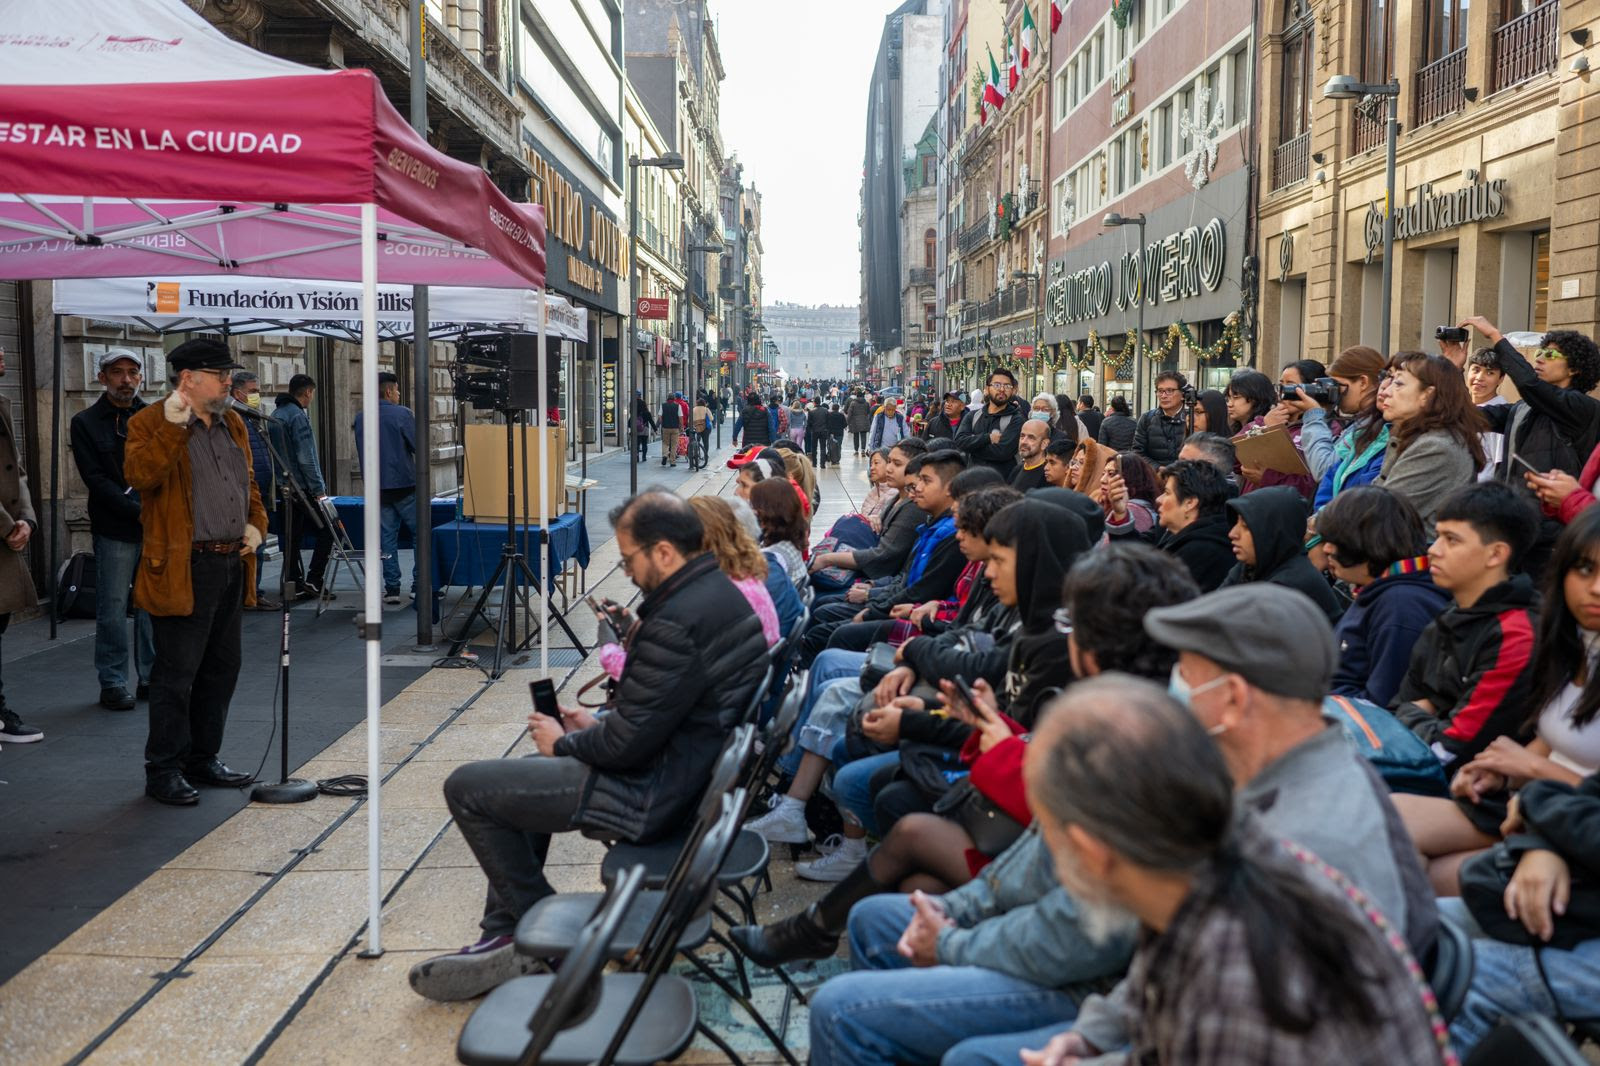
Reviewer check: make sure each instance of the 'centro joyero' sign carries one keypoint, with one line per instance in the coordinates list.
(1183, 265)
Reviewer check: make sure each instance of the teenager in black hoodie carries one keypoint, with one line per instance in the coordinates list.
(1194, 519)
(1268, 537)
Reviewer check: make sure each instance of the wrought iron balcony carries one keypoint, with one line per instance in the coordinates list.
(1527, 46)
(1031, 197)
(1291, 161)
(973, 237)
(1368, 132)
(1439, 87)
(920, 276)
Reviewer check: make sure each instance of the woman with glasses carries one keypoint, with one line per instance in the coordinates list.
(1342, 458)
(1433, 432)
(1375, 543)
(1250, 395)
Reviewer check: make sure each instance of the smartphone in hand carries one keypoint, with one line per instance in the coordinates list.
(970, 697)
(544, 698)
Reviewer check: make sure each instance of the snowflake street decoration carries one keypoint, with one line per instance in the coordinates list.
(1069, 213)
(1000, 271)
(1201, 158)
(994, 221)
(1038, 251)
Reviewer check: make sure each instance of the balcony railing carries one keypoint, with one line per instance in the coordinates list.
(919, 276)
(969, 316)
(918, 339)
(1015, 297)
(1527, 46)
(1368, 132)
(1439, 87)
(1031, 198)
(1291, 161)
(973, 237)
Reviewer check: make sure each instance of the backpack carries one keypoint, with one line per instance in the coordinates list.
(850, 531)
(1402, 759)
(75, 589)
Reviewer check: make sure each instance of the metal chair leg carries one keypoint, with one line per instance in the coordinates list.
(738, 959)
(722, 1045)
(749, 1008)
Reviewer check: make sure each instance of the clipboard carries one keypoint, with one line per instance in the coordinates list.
(1271, 450)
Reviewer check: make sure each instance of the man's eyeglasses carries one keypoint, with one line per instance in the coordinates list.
(1001, 385)
(1549, 354)
(1166, 392)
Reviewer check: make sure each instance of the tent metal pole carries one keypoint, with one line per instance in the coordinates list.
(422, 410)
(371, 619)
(544, 494)
(55, 469)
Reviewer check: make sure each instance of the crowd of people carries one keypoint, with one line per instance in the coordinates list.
(1132, 736)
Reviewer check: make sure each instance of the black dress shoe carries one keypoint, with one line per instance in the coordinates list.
(142, 693)
(214, 772)
(171, 789)
(799, 936)
(116, 699)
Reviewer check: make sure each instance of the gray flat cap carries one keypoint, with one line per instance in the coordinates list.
(1274, 637)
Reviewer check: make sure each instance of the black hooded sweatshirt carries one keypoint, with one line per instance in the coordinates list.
(1277, 519)
(1049, 539)
(1204, 548)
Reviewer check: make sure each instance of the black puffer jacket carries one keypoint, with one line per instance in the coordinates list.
(973, 436)
(757, 427)
(1276, 517)
(692, 667)
(1159, 436)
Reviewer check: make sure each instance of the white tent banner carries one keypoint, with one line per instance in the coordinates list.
(278, 306)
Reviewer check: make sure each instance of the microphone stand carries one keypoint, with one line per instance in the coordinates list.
(288, 789)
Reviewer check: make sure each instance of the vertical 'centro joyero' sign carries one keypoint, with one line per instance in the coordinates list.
(1182, 265)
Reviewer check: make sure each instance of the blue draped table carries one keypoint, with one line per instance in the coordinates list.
(466, 553)
(352, 509)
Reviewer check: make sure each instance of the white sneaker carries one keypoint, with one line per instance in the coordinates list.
(784, 824)
(834, 865)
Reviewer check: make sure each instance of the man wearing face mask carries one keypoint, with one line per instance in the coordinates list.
(99, 434)
(247, 390)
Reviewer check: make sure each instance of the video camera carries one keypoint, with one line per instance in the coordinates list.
(1323, 390)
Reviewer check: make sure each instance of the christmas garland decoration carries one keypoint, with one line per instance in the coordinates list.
(1231, 341)
(1121, 11)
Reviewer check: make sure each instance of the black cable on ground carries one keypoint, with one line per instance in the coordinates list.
(344, 785)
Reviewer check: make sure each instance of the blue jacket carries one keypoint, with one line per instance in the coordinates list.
(929, 537)
(300, 447)
(784, 597)
(397, 447)
(260, 463)
(1379, 630)
(1333, 460)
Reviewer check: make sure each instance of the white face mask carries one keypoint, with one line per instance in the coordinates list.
(1179, 689)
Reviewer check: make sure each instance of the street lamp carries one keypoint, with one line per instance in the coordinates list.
(670, 161)
(1371, 96)
(1114, 219)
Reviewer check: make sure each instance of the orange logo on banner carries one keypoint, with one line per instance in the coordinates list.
(162, 297)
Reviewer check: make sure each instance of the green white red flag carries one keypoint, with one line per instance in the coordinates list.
(1030, 36)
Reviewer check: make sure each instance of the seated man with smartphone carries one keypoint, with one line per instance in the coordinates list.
(632, 772)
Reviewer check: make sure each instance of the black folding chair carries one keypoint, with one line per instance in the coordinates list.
(580, 1016)
(1451, 973)
(1527, 1040)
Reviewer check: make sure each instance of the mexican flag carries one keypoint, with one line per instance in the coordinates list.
(1013, 72)
(1055, 15)
(1030, 36)
(993, 94)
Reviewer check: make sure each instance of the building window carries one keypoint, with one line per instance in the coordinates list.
(930, 244)
(1297, 71)
(1377, 43)
(927, 317)
(1445, 28)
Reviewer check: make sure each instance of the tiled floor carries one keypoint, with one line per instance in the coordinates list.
(244, 946)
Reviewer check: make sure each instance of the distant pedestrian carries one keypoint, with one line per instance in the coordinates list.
(247, 390)
(859, 414)
(99, 437)
(300, 452)
(671, 430)
(397, 480)
(644, 423)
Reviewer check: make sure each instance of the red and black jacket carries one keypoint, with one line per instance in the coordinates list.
(1474, 665)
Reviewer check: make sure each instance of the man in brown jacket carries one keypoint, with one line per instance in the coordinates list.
(188, 457)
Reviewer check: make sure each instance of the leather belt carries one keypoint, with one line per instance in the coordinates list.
(217, 547)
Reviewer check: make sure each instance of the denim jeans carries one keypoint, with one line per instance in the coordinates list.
(391, 517)
(115, 562)
(196, 667)
(507, 809)
(892, 1012)
(1506, 982)
(829, 666)
(852, 784)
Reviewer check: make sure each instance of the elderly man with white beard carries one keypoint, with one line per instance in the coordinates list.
(1250, 953)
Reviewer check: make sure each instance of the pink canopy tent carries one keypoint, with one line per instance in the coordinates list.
(136, 140)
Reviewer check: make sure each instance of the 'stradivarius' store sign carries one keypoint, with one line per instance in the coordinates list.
(1430, 213)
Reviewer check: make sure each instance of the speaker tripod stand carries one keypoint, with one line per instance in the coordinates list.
(514, 578)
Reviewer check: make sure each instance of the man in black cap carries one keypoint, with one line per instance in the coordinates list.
(948, 420)
(188, 457)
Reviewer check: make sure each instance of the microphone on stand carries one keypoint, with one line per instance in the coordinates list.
(248, 411)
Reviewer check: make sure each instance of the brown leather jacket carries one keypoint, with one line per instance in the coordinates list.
(157, 467)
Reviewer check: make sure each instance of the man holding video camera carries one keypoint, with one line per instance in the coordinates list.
(1160, 430)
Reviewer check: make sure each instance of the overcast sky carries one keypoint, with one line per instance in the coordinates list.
(794, 107)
